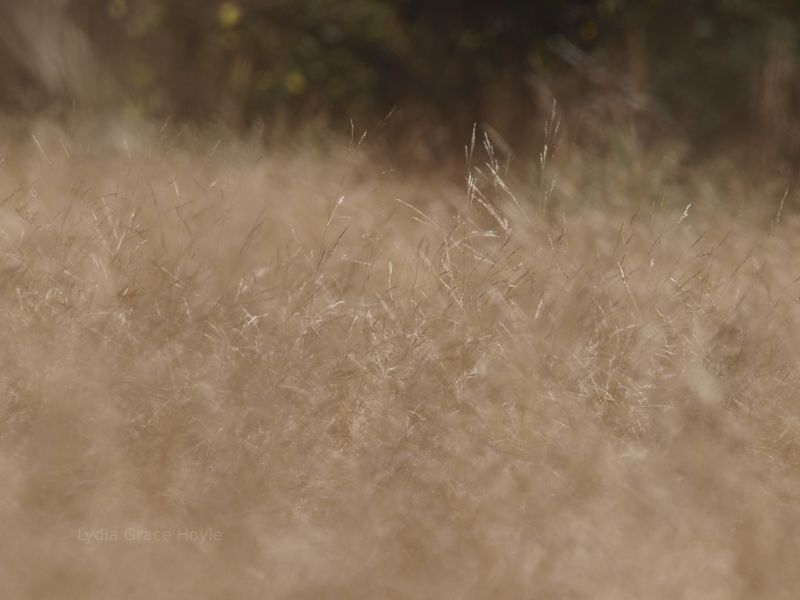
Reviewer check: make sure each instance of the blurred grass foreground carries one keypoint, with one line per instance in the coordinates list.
(270, 333)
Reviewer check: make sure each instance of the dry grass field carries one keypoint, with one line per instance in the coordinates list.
(235, 372)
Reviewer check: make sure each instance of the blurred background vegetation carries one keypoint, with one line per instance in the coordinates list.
(716, 73)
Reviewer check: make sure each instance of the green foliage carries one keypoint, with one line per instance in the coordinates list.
(449, 60)
(302, 56)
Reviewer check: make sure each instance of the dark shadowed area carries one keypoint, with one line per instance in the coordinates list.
(711, 73)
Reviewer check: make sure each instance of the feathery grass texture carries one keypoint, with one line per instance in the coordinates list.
(369, 387)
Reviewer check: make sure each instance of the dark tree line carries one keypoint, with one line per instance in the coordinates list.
(704, 67)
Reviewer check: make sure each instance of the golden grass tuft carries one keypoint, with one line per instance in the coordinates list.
(367, 387)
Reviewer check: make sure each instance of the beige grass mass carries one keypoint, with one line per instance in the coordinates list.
(371, 385)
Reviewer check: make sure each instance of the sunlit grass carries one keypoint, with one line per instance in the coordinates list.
(372, 388)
